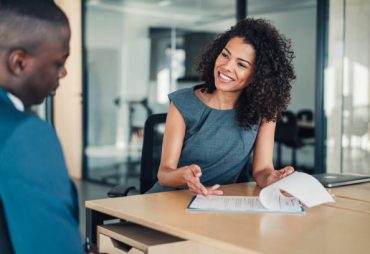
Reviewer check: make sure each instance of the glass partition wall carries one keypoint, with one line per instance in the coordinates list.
(347, 87)
(137, 51)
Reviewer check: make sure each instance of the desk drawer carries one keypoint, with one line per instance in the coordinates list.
(134, 239)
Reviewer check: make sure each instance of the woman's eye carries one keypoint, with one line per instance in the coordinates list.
(224, 55)
(242, 65)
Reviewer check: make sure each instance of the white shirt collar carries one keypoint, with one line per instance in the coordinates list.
(18, 104)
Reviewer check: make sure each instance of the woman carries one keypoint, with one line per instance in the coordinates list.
(212, 129)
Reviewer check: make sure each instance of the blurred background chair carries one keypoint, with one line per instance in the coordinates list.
(286, 133)
(138, 112)
(129, 166)
(305, 115)
(152, 150)
(306, 126)
(150, 158)
(5, 243)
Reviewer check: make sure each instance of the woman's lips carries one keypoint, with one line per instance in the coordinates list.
(224, 78)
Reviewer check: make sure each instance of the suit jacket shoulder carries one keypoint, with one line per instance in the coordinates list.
(39, 200)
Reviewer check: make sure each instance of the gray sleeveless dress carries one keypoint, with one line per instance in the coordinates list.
(213, 141)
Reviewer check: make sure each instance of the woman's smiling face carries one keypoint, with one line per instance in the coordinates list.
(234, 66)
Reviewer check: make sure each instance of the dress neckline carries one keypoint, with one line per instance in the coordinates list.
(207, 106)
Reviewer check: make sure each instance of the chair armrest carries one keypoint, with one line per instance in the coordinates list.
(120, 191)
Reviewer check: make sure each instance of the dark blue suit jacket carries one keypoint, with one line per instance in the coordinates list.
(39, 199)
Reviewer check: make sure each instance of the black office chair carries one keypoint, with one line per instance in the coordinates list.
(150, 157)
(286, 133)
(152, 150)
(305, 115)
(5, 243)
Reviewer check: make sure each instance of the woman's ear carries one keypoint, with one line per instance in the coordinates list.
(17, 61)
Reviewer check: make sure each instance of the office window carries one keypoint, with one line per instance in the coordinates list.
(347, 87)
(140, 50)
(137, 52)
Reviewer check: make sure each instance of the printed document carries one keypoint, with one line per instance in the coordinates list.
(302, 187)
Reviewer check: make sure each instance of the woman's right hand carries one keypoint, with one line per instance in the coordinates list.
(276, 175)
(192, 176)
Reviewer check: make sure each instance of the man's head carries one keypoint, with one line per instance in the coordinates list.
(34, 45)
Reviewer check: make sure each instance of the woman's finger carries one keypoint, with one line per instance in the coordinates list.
(193, 180)
(195, 169)
(286, 171)
(202, 189)
(197, 186)
(193, 188)
(215, 192)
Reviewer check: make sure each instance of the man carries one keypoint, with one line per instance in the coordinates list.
(38, 198)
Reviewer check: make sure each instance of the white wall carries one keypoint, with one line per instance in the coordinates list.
(68, 101)
(300, 27)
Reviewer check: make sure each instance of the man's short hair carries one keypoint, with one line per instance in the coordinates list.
(23, 23)
(45, 10)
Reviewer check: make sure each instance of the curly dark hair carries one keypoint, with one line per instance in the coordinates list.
(268, 94)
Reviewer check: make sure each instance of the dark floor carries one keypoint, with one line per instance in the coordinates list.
(125, 174)
(88, 191)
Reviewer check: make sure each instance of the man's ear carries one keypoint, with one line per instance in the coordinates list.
(17, 61)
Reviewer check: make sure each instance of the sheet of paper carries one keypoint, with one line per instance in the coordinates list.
(304, 187)
(242, 204)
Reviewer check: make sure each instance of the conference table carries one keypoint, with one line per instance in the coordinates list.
(160, 223)
(353, 197)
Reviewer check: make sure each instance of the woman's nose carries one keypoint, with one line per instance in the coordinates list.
(229, 65)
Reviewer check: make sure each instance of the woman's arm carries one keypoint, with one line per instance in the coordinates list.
(168, 174)
(173, 139)
(263, 168)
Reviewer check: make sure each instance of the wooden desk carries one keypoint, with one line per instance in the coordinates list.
(323, 229)
(354, 197)
(359, 192)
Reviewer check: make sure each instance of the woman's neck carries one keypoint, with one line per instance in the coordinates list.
(220, 100)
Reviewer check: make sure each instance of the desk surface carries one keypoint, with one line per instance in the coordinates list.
(323, 229)
(354, 197)
(359, 192)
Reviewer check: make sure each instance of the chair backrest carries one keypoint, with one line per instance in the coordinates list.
(286, 129)
(5, 243)
(151, 152)
(305, 115)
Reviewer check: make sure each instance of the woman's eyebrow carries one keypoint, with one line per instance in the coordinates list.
(241, 59)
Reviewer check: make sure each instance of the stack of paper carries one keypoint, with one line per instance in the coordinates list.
(302, 187)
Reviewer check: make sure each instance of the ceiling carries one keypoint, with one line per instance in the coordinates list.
(197, 11)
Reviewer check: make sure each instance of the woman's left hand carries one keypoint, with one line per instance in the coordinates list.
(276, 175)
